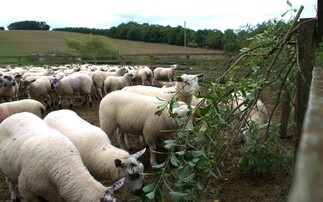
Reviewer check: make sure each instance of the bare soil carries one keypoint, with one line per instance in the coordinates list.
(234, 186)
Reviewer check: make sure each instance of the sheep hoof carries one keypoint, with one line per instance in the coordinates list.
(90, 104)
(59, 106)
(71, 106)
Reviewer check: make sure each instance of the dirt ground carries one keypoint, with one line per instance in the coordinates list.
(234, 187)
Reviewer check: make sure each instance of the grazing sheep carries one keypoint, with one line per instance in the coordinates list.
(113, 83)
(45, 165)
(185, 88)
(134, 113)
(103, 160)
(71, 84)
(162, 72)
(99, 77)
(258, 114)
(39, 88)
(26, 105)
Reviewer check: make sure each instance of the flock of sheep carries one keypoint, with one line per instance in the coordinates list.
(62, 157)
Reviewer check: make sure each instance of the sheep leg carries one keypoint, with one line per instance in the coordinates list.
(126, 141)
(59, 98)
(152, 148)
(100, 93)
(13, 191)
(121, 139)
(85, 99)
(71, 102)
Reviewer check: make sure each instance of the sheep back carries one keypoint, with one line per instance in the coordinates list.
(93, 144)
(44, 162)
(25, 105)
(134, 113)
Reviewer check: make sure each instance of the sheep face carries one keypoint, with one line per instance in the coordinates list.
(109, 195)
(132, 169)
(3, 83)
(187, 83)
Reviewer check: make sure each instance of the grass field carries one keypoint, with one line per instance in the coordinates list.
(27, 42)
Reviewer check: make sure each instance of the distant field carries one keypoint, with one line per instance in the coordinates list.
(21, 43)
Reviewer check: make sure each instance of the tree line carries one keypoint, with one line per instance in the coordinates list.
(28, 25)
(230, 40)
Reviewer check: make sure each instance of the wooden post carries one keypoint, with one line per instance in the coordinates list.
(306, 47)
(308, 176)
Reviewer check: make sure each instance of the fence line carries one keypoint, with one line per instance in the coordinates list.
(144, 59)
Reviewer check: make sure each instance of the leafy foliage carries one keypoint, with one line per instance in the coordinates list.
(92, 46)
(203, 152)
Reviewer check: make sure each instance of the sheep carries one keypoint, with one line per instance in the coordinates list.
(113, 83)
(71, 84)
(258, 114)
(25, 105)
(45, 165)
(162, 72)
(43, 72)
(144, 75)
(134, 113)
(9, 91)
(39, 88)
(102, 159)
(185, 88)
(99, 77)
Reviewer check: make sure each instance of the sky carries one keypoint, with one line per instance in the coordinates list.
(196, 14)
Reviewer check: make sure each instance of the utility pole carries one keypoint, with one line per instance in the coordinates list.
(185, 37)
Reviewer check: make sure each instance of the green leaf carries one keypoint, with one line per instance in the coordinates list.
(179, 194)
(174, 160)
(149, 187)
(151, 195)
(289, 3)
(159, 165)
(180, 153)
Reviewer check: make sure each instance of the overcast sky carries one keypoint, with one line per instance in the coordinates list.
(198, 14)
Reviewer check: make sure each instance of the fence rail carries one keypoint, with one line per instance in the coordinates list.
(144, 59)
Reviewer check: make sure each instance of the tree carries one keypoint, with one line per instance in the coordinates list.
(92, 46)
(28, 25)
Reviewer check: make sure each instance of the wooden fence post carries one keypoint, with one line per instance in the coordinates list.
(306, 48)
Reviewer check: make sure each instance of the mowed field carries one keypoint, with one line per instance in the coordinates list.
(27, 42)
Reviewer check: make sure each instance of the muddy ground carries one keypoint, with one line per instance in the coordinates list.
(233, 187)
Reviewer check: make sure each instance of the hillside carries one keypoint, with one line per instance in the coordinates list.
(26, 42)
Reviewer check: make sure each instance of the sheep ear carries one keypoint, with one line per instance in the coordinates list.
(118, 163)
(117, 185)
(139, 154)
(179, 79)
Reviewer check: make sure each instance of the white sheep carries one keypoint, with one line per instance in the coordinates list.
(145, 75)
(102, 159)
(26, 105)
(38, 88)
(99, 77)
(113, 83)
(71, 84)
(134, 113)
(258, 114)
(185, 88)
(45, 165)
(163, 72)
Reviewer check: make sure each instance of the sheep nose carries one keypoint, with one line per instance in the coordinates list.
(138, 192)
